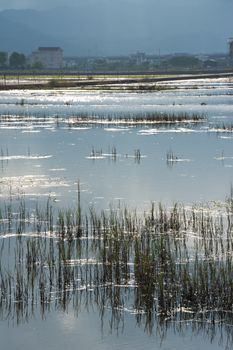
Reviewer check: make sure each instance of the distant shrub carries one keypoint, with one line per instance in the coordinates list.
(53, 83)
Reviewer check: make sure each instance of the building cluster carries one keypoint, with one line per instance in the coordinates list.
(52, 58)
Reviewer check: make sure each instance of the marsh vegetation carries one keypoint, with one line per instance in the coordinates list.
(145, 238)
(164, 266)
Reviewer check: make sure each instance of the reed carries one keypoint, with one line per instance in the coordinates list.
(168, 262)
(138, 118)
(102, 119)
(137, 156)
(222, 128)
(171, 158)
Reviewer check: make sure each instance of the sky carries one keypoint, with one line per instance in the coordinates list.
(35, 4)
(120, 26)
(47, 4)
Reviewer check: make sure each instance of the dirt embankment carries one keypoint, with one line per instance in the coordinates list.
(107, 81)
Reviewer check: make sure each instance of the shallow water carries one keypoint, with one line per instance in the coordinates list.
(58, 159)
(48, 158)
(67, 330)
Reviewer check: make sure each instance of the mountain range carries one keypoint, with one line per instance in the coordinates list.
(102, 29)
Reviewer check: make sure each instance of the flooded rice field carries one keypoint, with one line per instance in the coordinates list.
(116, 217)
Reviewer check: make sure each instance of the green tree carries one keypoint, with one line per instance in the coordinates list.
(3, 59)
(37, 65)
(17, 60)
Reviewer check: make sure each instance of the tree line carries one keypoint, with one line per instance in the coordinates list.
(15, 60)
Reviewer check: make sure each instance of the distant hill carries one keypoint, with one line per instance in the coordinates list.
(16, 36)
(102, 27)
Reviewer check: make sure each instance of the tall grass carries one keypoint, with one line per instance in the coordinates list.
(167, 264)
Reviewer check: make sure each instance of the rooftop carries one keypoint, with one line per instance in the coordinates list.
(49, 48)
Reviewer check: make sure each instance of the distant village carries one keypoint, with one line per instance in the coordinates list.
(52, 58)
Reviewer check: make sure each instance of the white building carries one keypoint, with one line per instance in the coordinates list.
(48, 57)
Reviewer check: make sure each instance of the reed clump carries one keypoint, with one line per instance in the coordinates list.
(122, 119)
(224, 128)
(171, 158)
(134, 119)
(168, 262)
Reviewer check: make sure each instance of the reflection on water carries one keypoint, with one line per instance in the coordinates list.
(168, 269)
(213, 97)
(132, 164)
(81, 273)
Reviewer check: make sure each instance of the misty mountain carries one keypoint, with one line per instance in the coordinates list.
(16, 36)
(103, 27)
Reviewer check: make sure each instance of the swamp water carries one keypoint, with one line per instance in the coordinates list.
(89, 256)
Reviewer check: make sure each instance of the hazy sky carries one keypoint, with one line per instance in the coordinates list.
(120, 26)
(44, 4)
